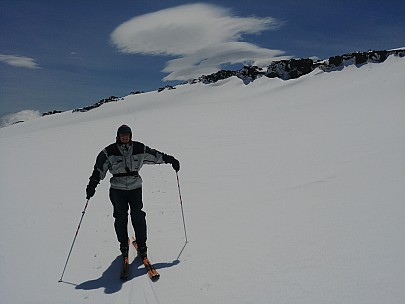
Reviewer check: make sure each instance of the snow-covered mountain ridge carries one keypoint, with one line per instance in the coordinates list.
(284, 69)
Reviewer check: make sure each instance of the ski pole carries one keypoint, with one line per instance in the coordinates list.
(181, 205)
(74, 240)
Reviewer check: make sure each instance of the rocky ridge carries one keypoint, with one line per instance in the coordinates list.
(283, 69)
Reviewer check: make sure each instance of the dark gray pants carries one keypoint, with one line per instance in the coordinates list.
(123, 201)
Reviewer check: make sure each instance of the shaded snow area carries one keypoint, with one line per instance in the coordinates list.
(18, 117)
(293, 192)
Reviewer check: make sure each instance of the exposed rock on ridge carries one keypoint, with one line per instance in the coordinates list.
(294, 68)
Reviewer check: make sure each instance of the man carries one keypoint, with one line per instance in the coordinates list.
(124, 159)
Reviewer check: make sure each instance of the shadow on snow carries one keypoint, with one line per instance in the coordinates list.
(110, 280)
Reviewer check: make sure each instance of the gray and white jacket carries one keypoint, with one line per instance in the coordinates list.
(124, 161)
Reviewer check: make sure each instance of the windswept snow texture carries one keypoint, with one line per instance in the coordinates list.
(293, 192)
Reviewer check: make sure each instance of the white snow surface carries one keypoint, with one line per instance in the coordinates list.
(293, 192)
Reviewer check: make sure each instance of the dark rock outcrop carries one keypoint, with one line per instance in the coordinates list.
(51, 113)
(168, 87)
(294, 68)
(97, 104)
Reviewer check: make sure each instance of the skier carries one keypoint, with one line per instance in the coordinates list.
(124, 159)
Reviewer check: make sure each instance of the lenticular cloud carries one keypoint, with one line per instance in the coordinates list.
(19, 61)
(194, 32)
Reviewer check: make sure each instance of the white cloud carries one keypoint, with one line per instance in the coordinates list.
(25, 115)
(203, 36)
(19, 61)
(210, 59)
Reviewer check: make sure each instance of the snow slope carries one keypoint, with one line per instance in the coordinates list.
(293, 192)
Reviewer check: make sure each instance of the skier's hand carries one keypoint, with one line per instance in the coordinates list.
(171, 160)
(91, 189)
(175, 164)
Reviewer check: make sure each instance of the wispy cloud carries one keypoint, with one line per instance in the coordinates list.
(203, 36)
(19, 61)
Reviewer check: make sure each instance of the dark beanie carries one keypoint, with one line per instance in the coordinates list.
(124, 129)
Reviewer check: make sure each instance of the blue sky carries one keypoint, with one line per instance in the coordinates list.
(60, 55)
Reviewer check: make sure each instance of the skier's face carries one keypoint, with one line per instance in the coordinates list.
(125, 138)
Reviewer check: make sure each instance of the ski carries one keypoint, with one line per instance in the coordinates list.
(125, 266)
(152, 273)
(125, 269)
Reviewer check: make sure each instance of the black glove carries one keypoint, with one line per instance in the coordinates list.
(91, 188)
(175, 164)
(171, 160)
